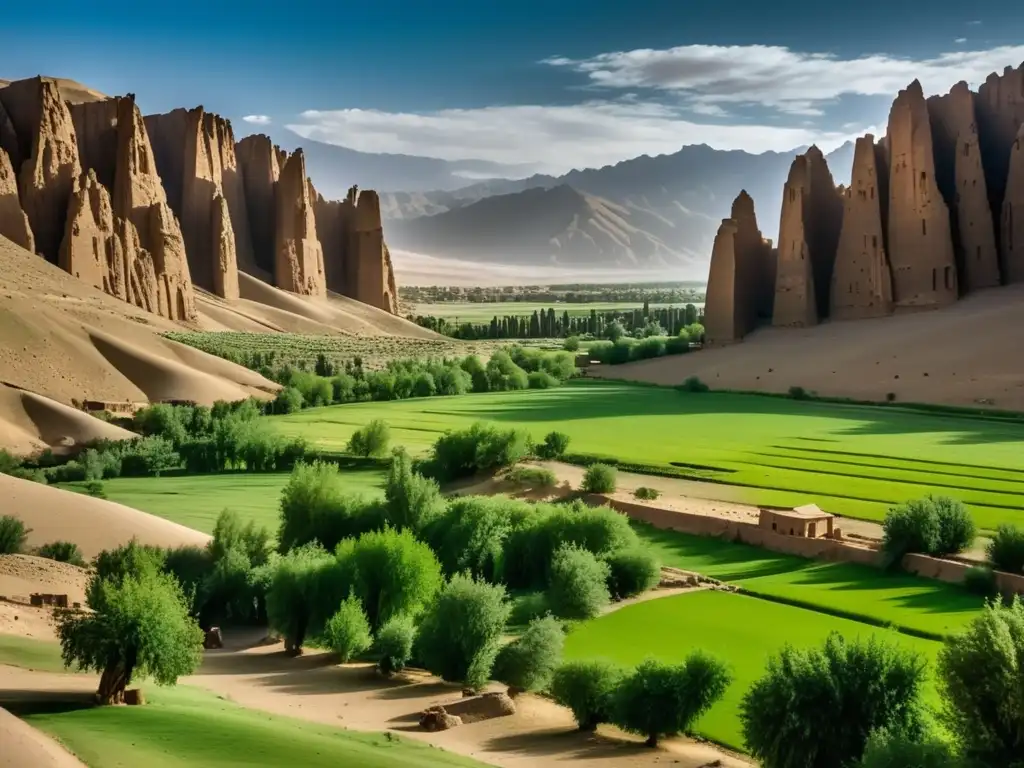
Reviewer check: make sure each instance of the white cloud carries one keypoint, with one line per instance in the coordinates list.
(791, 82)
(960, 40)
(557, 138)
(257, 119)
(975, 23)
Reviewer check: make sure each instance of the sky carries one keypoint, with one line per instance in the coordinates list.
(558, 84)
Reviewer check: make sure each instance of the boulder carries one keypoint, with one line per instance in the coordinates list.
(486, 706)
(134, 697)
(13, 220)
(213, 639)
(436, 719)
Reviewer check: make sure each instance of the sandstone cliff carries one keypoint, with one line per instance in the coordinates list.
(13, 221)
(298, 256)
(1012, 220)
(861, 279)
(795, 302)
(260, 170)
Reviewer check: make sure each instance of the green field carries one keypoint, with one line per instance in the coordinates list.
(482, 312)
(741, 631)
(849, 459)
(196, 500)
(25, 652)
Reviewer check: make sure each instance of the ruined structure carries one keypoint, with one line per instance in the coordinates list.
(1012, 219)
(141, 207)
(861, 278)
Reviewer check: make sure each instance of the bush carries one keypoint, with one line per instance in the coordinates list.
(694, 384)
(666, 699)
(956, 526)
(532, 477)
(571, 344)
(652, 346)
(412, 500)
(460, 633)
(291, 591)
(579, 583)
(542, 380)
(980, 679)
(504, 375)
(527, 664)
(62, 552)
(1006, 549)
(631, 572)
(646, 494)
(480, 448)
(370, 440)
(910, 527)
(13, 535)
(394, 644)
(896, 750)
(599, 478)
(288, 400)
(981, 580)
(316, 507)
(587, 688)
(789, 715)
(554, 446)
(799, 393)
(677, 345)
(95, 489)
(348, 632)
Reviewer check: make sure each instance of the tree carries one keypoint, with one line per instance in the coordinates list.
(348, 632)
(615, 331)
(412, 500)
(316, 506)
(63, 552)
(957, 529)
(13, 535)
(981, 678)
(370, 440)
(291, 592)
(460, 633)
(587, 688)
(1006, 549)
(528, 663)
(288, 400)
(910, 527)
(887, 749)
(579, 583)
(571, 344)
(631, 572)
(140, 627)
(128, 560)
(394, 644)
(599, 478)
(814, 708)
(554, 446)
(666, 699)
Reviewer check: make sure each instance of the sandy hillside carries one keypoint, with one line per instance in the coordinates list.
(26, 747)
(93, 524)
(956, 355)
(22, 575)
(71, 90)
(31, 422)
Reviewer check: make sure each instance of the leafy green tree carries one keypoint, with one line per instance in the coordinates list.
(599, 478)
(614, 331)
(886, 749)
(1006, 549)
(289, 400)
(140, 627)
(370, 440)
(291, 591)
(571, 344)
(554, 446)
(579, 583)
(588, 689)
(908, 528)
(129, 560)
(348, 632)
(412, 500)
(316, 507)
(529, 662)
(13, 535)
(957, 529)
(631, 572)
(981, 678)
(814, 708)
(394, 644)
(666, 699)
(460, 633)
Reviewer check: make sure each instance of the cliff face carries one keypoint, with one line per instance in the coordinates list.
(795, 301)
(1012, 219)
(168, 199)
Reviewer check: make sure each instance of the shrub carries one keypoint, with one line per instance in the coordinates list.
(980, 679)
(62, 552)
(981, 580)
(599, 478)
(571, 344)
(394, 644)
(554, 446)
(896, 750)
(587, 688)
(10, 462)
(677, 345)
(370, 440)
(460, 633)
(956, 526)
(13, 535)
(289, 400)
(532, 477)
(578, 587)
(1006, 549)
(412, 500)
(504, 375)
(666, 699)
(631, 572)
(527, 664)
(614, 330)
(694, 384)
(316, 507)
(646, 494)
(799, 393)
(789, 715)
(32, 475)
(652, 346)
(348, 632)
(542, 380)
(910, 527)
(480, 448)
(95, 489)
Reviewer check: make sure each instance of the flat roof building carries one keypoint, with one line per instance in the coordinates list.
(808, 521)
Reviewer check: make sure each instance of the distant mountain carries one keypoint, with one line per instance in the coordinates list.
(334, 169)
(675, 201)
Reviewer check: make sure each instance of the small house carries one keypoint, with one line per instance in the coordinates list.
(807, 521)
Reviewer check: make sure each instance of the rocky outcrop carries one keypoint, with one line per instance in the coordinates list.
(8, 138)
(861, 278)
(258, 162)
(1012, 219)
(366, 251)
(298, 256)
(756, 253)
(1000, 112)
(47, 142)
(390, 302)
(920, 239)
(13, 221)
(225, 271)
(96, 129)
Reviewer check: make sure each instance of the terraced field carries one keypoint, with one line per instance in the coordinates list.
(849, 459)
(480, 312)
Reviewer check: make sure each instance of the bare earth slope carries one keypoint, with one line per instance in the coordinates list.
(25, 747)
(93, 524)
(958, 355)
(31, 422)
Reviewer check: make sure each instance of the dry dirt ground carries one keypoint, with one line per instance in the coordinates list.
(25, 747)
(957, 355)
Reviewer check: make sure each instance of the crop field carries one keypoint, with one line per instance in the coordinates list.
(741, 631)
(196, 500)
(851, 460)
(482, 312)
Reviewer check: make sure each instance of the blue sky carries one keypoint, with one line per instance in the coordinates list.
(558, 83)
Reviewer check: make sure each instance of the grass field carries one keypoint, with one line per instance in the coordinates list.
(741, 631)
(196, 500)
(28, 653)
(851, 460)
(480, 312)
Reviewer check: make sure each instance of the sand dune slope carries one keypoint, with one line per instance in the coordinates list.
(93, 524)
(25, 747)
(957, 356)
(31, 422)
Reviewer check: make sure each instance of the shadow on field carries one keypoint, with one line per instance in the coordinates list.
(567, 745)
(25, 702)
